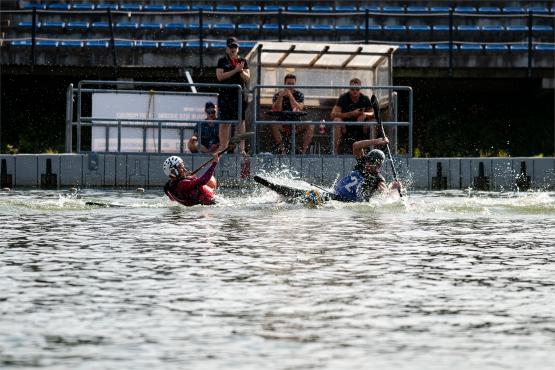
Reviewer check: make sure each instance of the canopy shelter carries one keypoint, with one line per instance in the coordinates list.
(321, 64)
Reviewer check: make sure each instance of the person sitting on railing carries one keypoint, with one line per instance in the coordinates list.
(208, 131)
(187, 189)
(352, 106)
(290, 100)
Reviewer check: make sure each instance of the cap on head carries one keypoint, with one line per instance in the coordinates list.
(375, 157)
(232, 41)
(171, 164)
(209, 105)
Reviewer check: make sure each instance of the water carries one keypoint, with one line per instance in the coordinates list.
(456, 280)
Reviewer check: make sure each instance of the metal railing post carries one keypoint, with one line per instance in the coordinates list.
(112, 43)
(69, 119)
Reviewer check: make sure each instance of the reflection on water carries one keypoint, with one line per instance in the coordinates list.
(439, 280)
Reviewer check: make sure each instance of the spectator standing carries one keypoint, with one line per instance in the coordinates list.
(231, 69)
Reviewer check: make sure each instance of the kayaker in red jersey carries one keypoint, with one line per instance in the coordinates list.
(188, 189)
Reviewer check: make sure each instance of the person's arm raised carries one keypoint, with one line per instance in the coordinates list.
(358, 146)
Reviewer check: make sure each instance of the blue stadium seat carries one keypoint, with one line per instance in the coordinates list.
(58, 6)
(250, 8)
(81, 26)
(346, 9)
(218, 45)
(519, 47)
(130, 7)
(34, 5)
(444, 46)
(83, 6)
(270, 26)
(371, 9)
(175, 26)
(248, 44)
(99, 25)
(21, 43)
(440, 9)
(542, 28)
(394, 27)
(373, 28)
(178, 8)
(517, 28)
(403, 47)
(470, 47)
(538, 10)
(171, 45)
(154, 8)
(127, 25)
(71, 44)
(545, 47)
(321, 27)
(322, 9)
(203, 7)
(27, 24)
(48, 43)
(346, 27)
(440, 27)
(489, 10)
(297, 8)
(146, 44)
(223, 26)
(420, 28)
(97, 44)
(393, 9)
(466, 9)
(468, 28)
(496, 47)
(53, 25)
(248, 26)
(421, 47)
(196, 26)
(493, 28)
(297, 27)
(105, 6)
(273, 8)
(151, 26)
(195, 44)
(226, 8)
(417, 9)
(123, 44)
(514, 10)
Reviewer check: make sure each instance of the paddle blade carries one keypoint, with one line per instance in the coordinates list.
(240, 137)
(374, 102)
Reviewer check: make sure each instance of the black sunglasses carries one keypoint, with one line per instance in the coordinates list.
(211, 111)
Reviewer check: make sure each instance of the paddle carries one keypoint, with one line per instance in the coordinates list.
(234, 140)
(376, 107)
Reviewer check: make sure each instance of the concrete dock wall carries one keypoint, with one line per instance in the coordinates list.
(145, 170)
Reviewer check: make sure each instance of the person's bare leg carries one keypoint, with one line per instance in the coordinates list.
(241, 130)
(192, 145)
(276, 135)
(223, 133)
(307, 138)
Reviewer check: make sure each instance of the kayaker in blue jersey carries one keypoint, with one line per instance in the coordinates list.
(365, 179)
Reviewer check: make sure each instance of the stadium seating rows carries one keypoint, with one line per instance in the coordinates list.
(129, 7)
(418, 47)
(83, 26)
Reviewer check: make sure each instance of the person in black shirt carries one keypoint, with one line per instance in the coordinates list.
(352, 106)
(233, 70)
(290, 100)
(208, 131)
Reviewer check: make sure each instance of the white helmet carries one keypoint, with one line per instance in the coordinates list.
(171, 163)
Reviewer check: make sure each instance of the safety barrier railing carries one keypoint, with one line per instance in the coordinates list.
(389, 101)
(76, 118)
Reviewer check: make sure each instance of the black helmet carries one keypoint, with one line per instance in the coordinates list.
(376, 157)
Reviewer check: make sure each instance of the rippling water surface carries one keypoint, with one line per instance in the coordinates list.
(441, 280)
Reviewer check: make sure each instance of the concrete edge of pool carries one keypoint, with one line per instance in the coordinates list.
(145, 170)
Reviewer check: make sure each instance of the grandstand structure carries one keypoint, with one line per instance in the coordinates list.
(447, 35)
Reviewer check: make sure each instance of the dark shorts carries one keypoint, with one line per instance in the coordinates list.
(228, 109)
